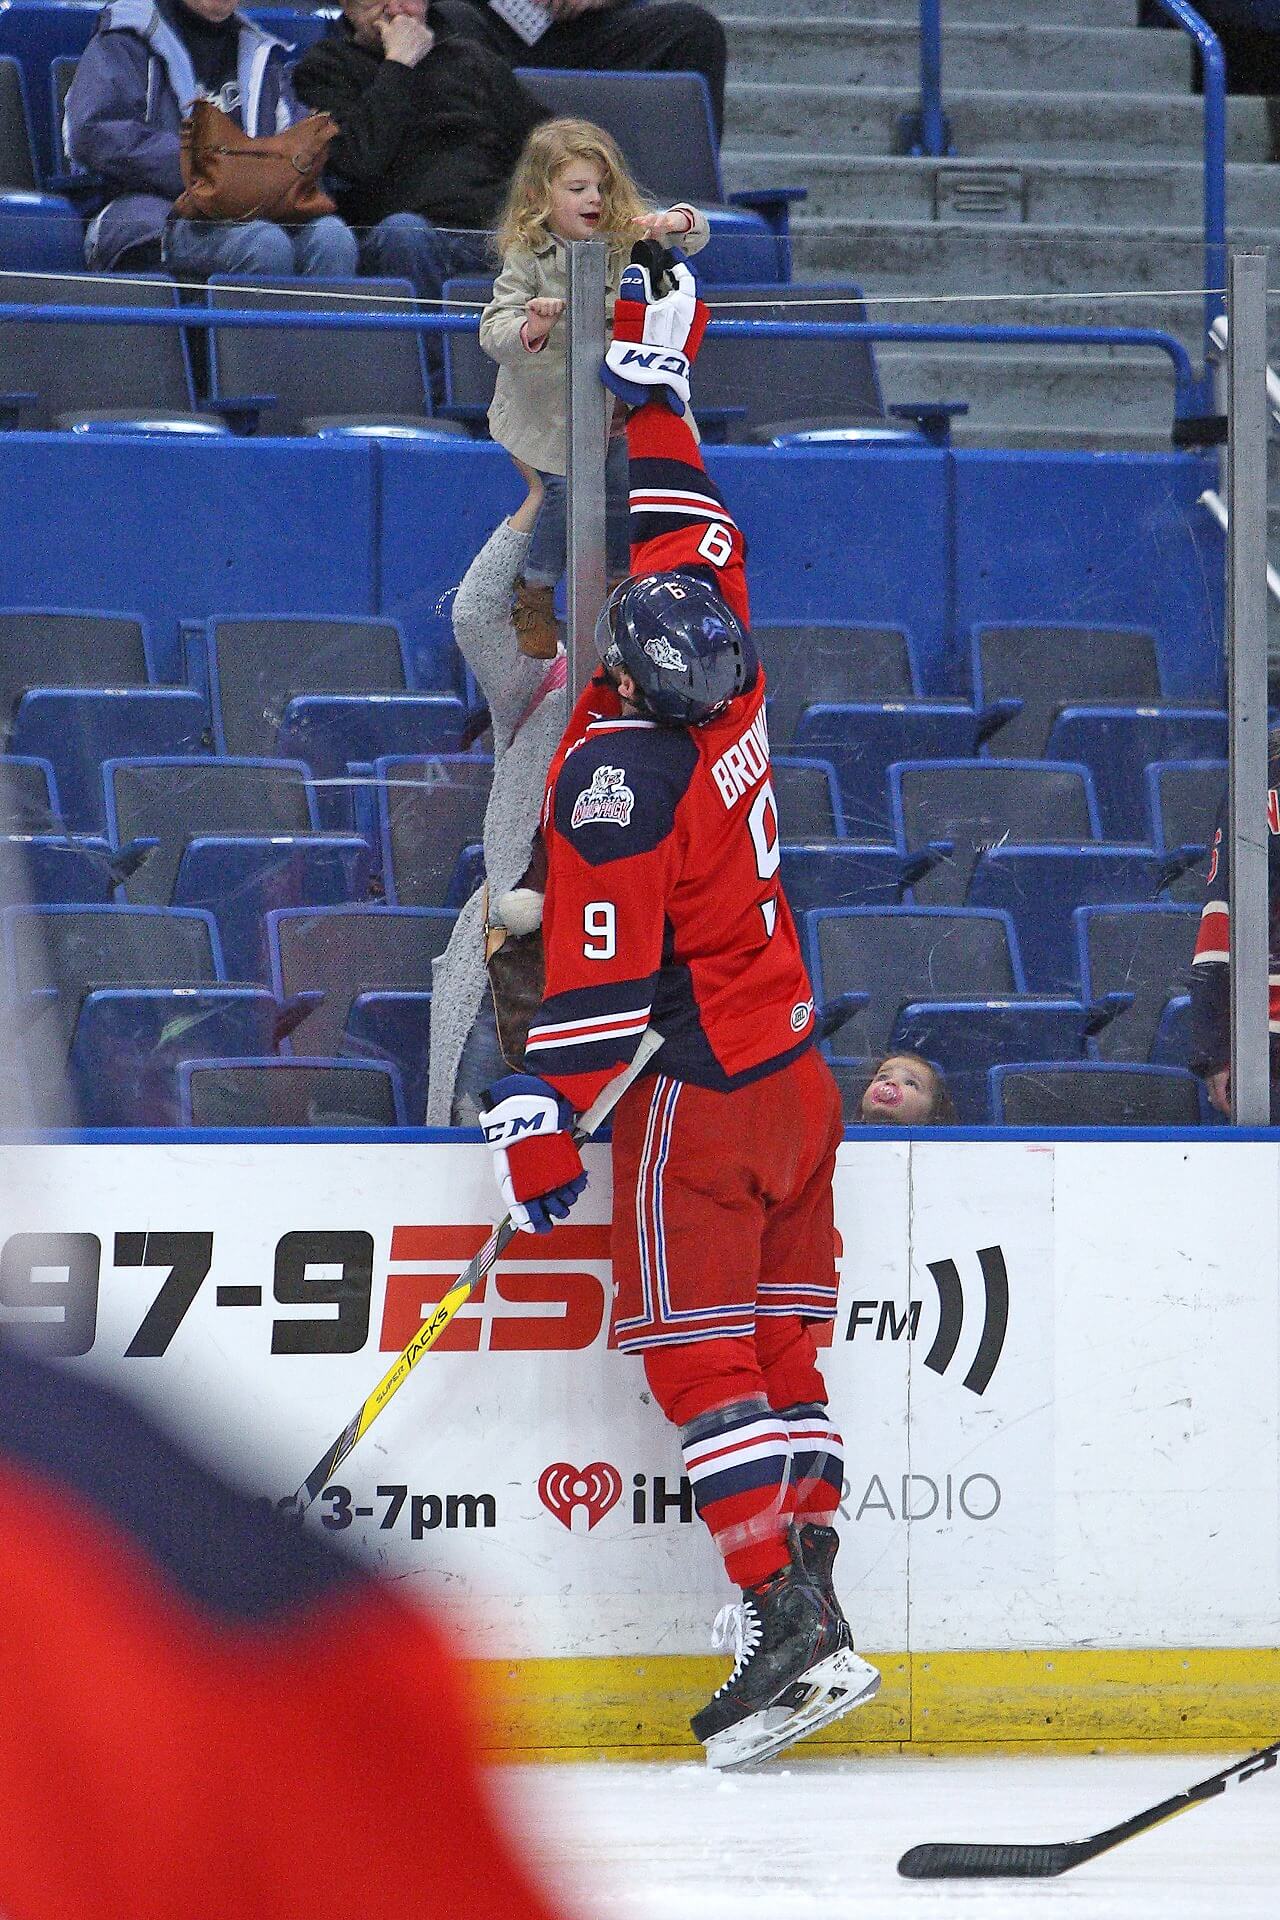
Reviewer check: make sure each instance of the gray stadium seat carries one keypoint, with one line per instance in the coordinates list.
(831, 664)
(172, 801)
(1093, 1094)
(256, 666)
(341, 952)
(976, 803)
(899, 954)
(290, 1093)
(1050, 666)
(1142, 950)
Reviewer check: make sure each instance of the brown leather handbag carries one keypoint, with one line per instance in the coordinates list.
(229, 176)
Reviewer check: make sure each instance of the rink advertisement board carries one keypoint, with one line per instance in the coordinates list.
(1056, 1367)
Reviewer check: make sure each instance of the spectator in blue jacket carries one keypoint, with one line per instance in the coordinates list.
(148, 61)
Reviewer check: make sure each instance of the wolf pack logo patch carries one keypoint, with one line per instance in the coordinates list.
(606, 802)
(665, 656)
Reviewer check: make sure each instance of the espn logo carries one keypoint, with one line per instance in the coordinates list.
(543, 1296)
(891, 1324)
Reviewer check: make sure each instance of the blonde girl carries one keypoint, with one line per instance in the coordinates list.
(570, 183)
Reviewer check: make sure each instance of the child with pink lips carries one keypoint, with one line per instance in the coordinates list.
(905, 1091)
(570, 183)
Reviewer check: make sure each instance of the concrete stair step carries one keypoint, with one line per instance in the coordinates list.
(988, 124)
(1010, 192)
(1009, 388)
(1081, 13)
(974, 257)
(1060, 58)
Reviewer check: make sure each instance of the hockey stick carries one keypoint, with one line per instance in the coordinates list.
(431, 1329)
(967, 1860)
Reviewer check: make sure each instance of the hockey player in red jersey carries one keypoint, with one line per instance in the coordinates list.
(664, 908)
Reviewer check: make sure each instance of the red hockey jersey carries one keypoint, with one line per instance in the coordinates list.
(663, 900)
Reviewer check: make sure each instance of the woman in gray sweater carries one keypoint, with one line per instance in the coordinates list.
(528, 707)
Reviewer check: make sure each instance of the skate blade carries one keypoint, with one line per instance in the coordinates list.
(836, 1686)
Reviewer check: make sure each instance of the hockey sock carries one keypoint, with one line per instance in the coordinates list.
(817, 1455)
(738, 1459)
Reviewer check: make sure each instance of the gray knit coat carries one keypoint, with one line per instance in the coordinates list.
(522, 750)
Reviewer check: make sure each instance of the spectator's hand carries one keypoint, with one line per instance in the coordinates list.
(405, 40)
(540, 316)
(1218, 1087)
(670, 223)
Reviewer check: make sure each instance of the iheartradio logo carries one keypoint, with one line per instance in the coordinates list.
(596, 1490)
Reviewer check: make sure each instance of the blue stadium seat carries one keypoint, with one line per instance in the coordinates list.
(1143, 951)
(966, 1037)
(394, 1028)
(1172, 1044)
(29, 800)
(240, 878)
(749, 230)
(863, 740)
(69, 647)
(160, 804)
(79, 729)
(429, 808)
(808, 797)
(839, 873)
(128, 1043)
(40, 233)
(1049, 1093)
(46, 869)
(899, 954)
(953, 809)
(831, 664)
(1183, 797)
(1041, 887)
(340, 737)
(1119, 743)
(1037, 668)
(333, 954)
(290, 1093)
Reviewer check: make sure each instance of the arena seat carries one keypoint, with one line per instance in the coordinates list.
(28, 791)
(340, 737)
(60, 647)
(900, 954)
(128, 1043)
(808, 797)
(394, 1028)
(333, 954)
(1172, 1046)
(17, 156)
(973, 804)
(1118, 744)
(171, 801)
(1047, 667)
(808, 665)
(749, 230)
(241, 877)
(256, 664)
(1041, 887)
(293, 380)
(428, 810)
(48, 870)
(103, 376)
(966, 1037)
(1145, 951)
(840, 873)
(289, 1093)
(1183, 797)
(862, 741)
(79, 729)
(1048, 1093)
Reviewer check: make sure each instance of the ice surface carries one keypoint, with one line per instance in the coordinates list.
(809, 1838)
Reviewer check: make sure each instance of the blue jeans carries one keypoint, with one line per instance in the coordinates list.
(405, 246)
(544, 561)
(324, 249)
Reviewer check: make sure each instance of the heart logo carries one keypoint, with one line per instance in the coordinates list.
(597, 1489)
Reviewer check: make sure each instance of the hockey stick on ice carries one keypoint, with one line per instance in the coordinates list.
(968, 1860)
(431, 1329)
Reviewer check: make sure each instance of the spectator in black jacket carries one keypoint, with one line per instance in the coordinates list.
(431, 126)
(643, 36)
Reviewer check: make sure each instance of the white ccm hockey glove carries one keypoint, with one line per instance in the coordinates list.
(528, 1128)
(655, 341)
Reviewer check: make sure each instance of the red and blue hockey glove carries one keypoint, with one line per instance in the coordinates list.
(655, 341)
(529, 1130)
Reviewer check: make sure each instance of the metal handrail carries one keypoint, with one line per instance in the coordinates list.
(933, 125)
(1215, 153)
(1185, 383)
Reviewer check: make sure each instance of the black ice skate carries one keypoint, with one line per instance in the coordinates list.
(790, 1643)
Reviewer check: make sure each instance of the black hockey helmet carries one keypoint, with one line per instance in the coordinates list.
(682, 645)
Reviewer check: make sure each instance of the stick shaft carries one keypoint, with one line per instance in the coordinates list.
(436, 1322)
